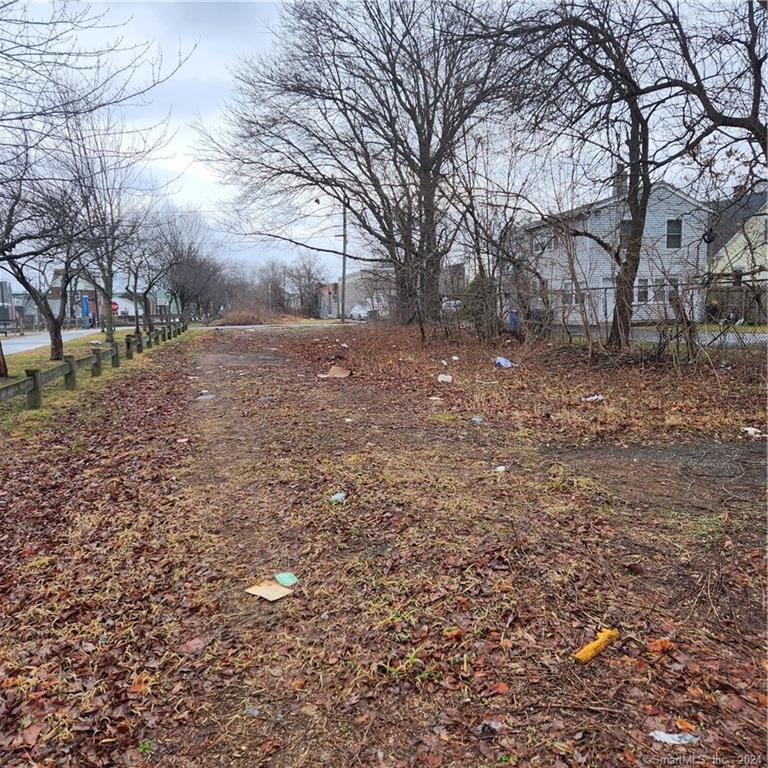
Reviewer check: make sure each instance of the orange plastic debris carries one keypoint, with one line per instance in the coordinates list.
(590, 650)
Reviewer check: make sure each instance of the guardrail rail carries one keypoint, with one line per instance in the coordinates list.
(35, 379)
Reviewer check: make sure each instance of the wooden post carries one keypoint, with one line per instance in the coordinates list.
(163, 334)
(35, 395)
(149, 340)
(139, 343)
(115, 355)
(157, 337)
(70, 377)
(129, 347)
(96, 365)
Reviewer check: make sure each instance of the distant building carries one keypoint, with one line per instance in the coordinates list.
(328, 299)
(371, 287)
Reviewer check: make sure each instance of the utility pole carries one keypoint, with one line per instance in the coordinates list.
(344, 260)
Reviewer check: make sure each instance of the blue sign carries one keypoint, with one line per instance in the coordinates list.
(86, 308)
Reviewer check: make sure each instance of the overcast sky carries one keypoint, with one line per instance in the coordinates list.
(215, 35)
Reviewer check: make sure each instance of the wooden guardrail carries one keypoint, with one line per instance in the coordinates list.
(35, 379)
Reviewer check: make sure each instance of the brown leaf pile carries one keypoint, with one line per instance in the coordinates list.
(438, 606)
(104, 580)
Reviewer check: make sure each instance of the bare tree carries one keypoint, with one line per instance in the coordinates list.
(639, 88)
(107, 162)
(48, 80)
(195, 280)
(304, 276)
(149, 254)
(56, 260)
(366, 102)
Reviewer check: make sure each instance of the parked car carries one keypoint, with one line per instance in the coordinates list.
(450, 307)
(359, 312)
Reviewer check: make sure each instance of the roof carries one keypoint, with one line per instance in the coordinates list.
(606, 202)
(732, 212)
(747, 248)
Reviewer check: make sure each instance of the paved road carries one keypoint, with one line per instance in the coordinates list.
(14, 344)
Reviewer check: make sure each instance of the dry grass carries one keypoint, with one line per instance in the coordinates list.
(438, 607)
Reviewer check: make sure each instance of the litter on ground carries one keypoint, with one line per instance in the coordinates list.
(336, 372)
(593, 399)
(338, 498)
(445, 378)
(678, 739)
(477, 420)
(503, 362)
(604, 638)
(286, 578)
(269, 590)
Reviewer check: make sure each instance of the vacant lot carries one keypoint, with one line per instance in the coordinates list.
(438, 606)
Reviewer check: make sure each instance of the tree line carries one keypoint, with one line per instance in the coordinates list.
(78, 206)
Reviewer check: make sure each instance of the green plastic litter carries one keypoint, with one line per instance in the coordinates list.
(286, 579)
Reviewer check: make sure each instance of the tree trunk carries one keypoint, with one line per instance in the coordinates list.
(430, 288)
(638, 194)
(109, 319)
(623, 304)
(147, 314)
(3, 364)
(404, 304)
(430, 259)
(57, 342)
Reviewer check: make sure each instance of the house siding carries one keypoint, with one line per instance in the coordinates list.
(595, 270)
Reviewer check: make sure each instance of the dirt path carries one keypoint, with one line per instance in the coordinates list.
(437, 608)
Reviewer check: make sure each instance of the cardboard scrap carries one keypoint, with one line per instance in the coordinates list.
(604, 638)
(336, 372)
(269, 590)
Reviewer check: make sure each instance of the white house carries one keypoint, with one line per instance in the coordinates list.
(573, 256)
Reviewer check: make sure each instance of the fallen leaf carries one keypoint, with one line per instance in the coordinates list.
(660, 645)
(684, 725)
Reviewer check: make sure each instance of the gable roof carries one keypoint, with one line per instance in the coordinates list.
(747, 248)
(731, 213)
(606, 202)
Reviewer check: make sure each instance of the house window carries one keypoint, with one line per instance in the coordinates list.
(674, 233)
(642, 290)
(658, 290)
